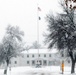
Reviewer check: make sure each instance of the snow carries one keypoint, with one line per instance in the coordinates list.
(52, 70)
(53, 50)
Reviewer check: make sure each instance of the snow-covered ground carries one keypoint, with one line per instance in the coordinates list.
(52, 70)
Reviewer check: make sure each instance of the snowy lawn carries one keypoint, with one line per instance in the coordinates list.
(52, 70)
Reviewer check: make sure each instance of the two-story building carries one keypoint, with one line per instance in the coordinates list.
(43, 57)
(35, 57)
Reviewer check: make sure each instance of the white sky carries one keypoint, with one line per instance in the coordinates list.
(23, 13)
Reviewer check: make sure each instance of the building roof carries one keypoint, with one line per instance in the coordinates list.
(41, 51)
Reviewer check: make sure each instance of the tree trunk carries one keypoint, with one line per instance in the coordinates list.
(73, 67)
(73, 62)
(5, 71)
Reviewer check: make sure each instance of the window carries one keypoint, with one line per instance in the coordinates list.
(62, 55)
(44, 62)
(27, 62)
(33, 62)
(44, 55)
(33, 55)
(15, 62)
(49, 55)
(40, 62)
(39, 55)
(68, 61)
(27, 55)
(49, 63)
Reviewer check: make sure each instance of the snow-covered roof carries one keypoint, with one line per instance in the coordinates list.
(41, 51)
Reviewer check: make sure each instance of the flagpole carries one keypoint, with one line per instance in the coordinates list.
(38, 31)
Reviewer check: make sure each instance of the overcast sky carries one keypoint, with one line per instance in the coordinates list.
(23, 13)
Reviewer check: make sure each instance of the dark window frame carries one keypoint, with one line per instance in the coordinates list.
(33, 62)
(28, 62)
(39, 55)
(44, 62)
(15, 62)
(44, 55)
(28, 55)
(33, 55)
(49, 55)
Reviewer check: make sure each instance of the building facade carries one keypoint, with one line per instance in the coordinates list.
(33, 58)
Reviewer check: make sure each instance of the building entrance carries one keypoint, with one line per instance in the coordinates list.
(38, 63)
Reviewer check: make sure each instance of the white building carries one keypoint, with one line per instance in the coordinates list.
(33, 57)
(30, 58)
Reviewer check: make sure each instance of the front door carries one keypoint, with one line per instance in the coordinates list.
(40, 62)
